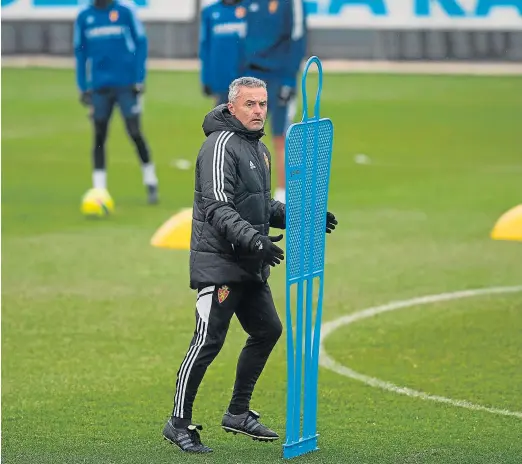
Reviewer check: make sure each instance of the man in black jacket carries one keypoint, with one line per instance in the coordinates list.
(230, 258)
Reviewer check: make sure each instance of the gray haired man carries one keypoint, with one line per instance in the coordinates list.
(230, 258)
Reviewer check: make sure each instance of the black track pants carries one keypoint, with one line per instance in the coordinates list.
(253, 305)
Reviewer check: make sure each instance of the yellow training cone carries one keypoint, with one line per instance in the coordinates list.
(509, 225)
(175, 233)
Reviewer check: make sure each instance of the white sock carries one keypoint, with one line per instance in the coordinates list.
(280, 195)
(149, 174)
(99, 179)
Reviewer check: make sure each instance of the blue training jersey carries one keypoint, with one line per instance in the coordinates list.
(222, 32)
(276, 40)
(111, 43)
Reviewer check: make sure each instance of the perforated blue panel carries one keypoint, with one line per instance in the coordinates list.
(309, 151)
(307, 161)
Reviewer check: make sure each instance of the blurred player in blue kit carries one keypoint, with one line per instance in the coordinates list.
(110, 46)
(274, 49)
(271, 48)
(222, 31)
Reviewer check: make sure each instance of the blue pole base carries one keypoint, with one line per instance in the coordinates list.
(303, 446)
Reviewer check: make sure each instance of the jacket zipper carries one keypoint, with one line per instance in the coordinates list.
(262, 167)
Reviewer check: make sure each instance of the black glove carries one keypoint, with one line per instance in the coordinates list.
(269, 253)
(86, 98)
(207, 91)
(138, 89)
(286, 93)
(331, 222)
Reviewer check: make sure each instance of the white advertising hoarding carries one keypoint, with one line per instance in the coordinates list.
(148, 10)
(415, 14)
(363, 14)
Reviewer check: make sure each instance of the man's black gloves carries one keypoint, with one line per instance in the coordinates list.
(86, 98)
(331, 222)
(269, 253)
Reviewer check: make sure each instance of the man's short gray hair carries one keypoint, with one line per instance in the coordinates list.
(251, 82)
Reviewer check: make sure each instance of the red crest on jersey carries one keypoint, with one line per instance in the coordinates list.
(113, 16)
(240, 12)
(272, 6)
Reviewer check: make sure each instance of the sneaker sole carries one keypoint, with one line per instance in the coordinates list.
(254, 437)
(186, 451)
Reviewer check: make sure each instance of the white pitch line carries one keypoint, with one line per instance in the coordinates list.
(329, 363)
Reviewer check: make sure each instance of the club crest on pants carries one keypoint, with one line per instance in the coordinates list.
(223, 292)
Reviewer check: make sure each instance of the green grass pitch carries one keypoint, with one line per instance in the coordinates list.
(95, 321)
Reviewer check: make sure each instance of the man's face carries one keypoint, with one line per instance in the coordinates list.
(250, 107)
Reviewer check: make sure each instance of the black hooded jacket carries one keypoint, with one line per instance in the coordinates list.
(232, 203)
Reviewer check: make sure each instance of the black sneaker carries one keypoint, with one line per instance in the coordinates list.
(152, 194)
(248, 424)
(186, 438)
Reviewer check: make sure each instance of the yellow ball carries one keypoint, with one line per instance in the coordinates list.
(97, 203)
